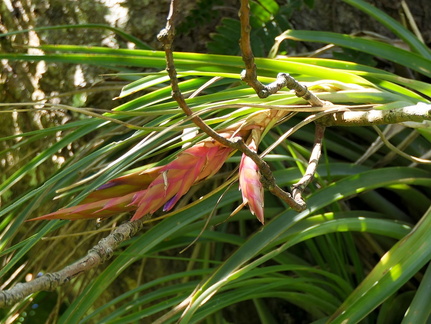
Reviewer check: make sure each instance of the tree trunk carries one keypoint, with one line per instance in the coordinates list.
(337, 16)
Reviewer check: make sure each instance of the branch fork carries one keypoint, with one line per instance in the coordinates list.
(166, 36)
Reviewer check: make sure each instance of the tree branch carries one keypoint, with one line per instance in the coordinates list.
(416, 113)
(98, 254)
(249, 75)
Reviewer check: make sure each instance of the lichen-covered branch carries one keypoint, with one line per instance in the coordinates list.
(411, 114)
(100, 253)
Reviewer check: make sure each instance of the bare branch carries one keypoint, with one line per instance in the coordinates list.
(98, 254)
(299, 187)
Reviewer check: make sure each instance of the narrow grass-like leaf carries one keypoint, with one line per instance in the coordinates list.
(395, 268)
(419, 309)
(140, 246)
(394, 26)
(380, 49)
(271, 232)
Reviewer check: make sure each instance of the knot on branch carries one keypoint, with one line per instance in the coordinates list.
(103, 251)
(166, 37)
(250, 77)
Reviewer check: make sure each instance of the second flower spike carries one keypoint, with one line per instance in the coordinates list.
(249, 179)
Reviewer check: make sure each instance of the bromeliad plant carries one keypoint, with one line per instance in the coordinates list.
(318, 277)
(147, 191)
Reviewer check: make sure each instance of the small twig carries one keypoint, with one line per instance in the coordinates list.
(286, 80)
(299, 187)
(389, 131)
(98, 254)
(166, 37)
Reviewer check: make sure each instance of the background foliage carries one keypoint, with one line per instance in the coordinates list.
(318, 265)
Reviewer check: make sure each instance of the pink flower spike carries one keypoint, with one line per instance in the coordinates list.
(251, 187)
(175, 179)
(249, 180)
